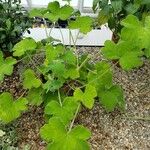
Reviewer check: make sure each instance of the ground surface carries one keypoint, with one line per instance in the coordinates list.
(110, 131)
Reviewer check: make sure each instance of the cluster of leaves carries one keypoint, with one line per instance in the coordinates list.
(64, 83)
(79, 83)
(54, 13)
(133, 43)
(113, 11)
(14, 21)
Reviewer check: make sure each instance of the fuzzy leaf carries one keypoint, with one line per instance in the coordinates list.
(6, 66)
(131, 22)
(87, 98)
(56, 133)
(53, 84)
(23, 46)
(65, 112)
(84, 24)
(57, 68)
(69, 57)
(53, 53)
(37, 12)
(30, 80)
(72, 73)
(10, 109)
(131, 60)
(56, 12)
(53, 131)
(112, 98)
(101, 78)
(35, 96)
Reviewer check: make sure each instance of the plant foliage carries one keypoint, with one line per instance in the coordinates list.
(13, 22)
(114, 11)
(131, 47)
(65, 81)
(10, 109)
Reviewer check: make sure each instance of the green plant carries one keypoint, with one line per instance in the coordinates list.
(64, 83)
(114, 11)
(133, 43)
(14, 22)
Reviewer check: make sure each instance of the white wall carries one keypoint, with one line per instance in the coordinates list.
(93, 38)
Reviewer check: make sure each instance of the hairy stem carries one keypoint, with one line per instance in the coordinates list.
(40, 71)
(84, 62)
(76, 113)
(63, 40)
(59, 97)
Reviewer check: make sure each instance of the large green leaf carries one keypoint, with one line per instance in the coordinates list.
(131, 60)
(24, 46)
(84, 24)
(30, 80)
(35, 96)
(53, 53)
(112, 98)
(56, 133)
(65, 112)
(56, 12)
(11, 109)
(101, 77)
(86, 97)
(37, 12)
(6, 66)
(53, 84)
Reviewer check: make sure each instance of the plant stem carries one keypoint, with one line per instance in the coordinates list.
(84, 62)
(59, 97)
(45, 27)
(98, 76)
(34, 63)
(74, 45)
(22, 95)
(63, 40)
(76, 113)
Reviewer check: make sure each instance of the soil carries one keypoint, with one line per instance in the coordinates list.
(110, 131)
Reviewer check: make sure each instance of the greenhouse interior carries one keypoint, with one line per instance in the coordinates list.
(74, 74)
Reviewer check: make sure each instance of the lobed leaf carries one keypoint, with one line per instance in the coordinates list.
(24, 46)
(112, 98)
(84, 24)
(30, 80)
(6, 66)
(10, 109)
(56, 133)
(87, 98)
(35, 96)
(65, 112)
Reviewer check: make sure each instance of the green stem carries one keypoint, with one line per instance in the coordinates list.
(63, 40)
(98, 76)
(34, 63)
(53, 25)
(45, 27)
(84, 62)
(74, 45)
(76, 113)
(59, 97)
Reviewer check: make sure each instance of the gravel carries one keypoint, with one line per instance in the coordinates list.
(110, 131)
(127, 131)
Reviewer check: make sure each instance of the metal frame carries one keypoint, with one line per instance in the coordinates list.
(80, 6)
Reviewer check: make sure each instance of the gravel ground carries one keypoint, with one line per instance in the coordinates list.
(110, 131)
